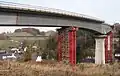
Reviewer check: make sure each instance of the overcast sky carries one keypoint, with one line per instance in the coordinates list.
(107, 10)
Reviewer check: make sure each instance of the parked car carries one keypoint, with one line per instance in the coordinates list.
(88, 60)
(117, 54)
(9, 56)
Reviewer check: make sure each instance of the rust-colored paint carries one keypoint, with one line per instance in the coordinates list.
(59, 41)
(108, 47)
(72, 45)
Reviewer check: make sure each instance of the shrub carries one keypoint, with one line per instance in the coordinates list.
(28, 54)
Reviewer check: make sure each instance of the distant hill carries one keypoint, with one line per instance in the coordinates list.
(50, 33)
(36, 32)
(32, 31)
(18, 34)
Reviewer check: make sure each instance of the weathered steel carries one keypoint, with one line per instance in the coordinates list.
(67, 45)
(59, 45)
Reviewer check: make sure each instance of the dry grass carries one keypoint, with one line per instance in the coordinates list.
(51, 68)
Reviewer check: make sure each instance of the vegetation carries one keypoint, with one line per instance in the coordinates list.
(51, 46)
(27, 54)
(51, 68)
(31, 31)
(45, 48)
(5, 44)
(116, 43)
(85, 44)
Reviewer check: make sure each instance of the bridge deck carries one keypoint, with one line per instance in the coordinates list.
(12, 14)
(25, 7)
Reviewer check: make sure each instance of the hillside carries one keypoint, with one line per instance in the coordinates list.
(35, 31)
(28, 30)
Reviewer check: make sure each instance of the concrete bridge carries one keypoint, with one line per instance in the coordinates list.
(13, 14)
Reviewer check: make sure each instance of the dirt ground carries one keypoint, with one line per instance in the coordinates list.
(52, 68)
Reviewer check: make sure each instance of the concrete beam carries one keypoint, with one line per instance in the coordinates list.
(20, 19)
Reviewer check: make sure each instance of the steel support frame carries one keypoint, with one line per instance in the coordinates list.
(71, 38)
(108, 47)
(72, 45)
(59, 48)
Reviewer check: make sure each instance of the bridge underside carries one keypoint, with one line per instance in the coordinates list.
(23, 19)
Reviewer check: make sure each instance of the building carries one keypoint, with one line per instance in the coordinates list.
(25, 36)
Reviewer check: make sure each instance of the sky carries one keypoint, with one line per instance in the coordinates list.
(107, 10)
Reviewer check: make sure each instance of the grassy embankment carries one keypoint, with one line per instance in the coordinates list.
(50, 68)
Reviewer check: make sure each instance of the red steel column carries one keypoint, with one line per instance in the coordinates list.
(59, 45)
(72, 45)
(108, 47)
(70, 36)
(111, 44)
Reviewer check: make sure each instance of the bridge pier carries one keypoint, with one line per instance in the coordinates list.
(103, 49)
(100, 50)
(67, 45)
